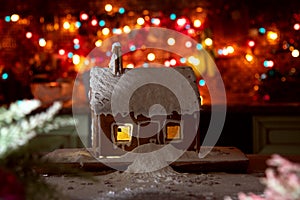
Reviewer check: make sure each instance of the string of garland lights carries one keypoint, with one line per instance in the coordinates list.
(58, 44)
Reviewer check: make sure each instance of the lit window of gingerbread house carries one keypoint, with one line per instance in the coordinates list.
(173, 131)
(134, 124)
(121, 133)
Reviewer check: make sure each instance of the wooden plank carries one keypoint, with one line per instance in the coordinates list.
(220, 159)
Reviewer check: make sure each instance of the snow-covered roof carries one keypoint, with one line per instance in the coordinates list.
(137, 90)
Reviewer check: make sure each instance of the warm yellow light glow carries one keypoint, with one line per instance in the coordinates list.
(56, 26)
(24, 21)
(225, 52)
(130, 65)
(145, 12)
(251, 43)
(140, 21)
(49, 27)
(181, 21)
(42, 42)
(201, 100)
(208, 42)
(131, 13)
(272, 35)
(293, 70)
(126, 29)
(98, 43)
(72, 28)
(167, 63)
(230, 49)
(61, 52)
(295, 53)
(297, 26)
(256, 88)
(76, 59)
(151, 56)
(188, 44)
(14, 18)
(249, 57)
(173, 62)
(94, 22)
(123, 133)
(173, 132)
(66, 25)
(199, 9)
(76, 41)
(99, 33)
(105, 31)
(28, 35)
(171, 41)
(191, 31)
(108, 7)
(49, 44)
(197, 23)
(84, 16)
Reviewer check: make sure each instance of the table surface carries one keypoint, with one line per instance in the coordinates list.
(166, 184)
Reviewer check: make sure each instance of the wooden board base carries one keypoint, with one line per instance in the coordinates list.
(220, 159)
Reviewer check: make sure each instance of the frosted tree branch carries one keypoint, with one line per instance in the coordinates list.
(16, 129)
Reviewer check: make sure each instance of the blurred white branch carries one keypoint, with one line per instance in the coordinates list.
(16, 128)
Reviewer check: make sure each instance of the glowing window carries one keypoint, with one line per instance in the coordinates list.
(173, 132)
(123, 133)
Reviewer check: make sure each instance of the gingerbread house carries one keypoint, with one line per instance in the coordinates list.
(150, 114)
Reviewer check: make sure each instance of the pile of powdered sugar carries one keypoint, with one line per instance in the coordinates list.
(152, 159)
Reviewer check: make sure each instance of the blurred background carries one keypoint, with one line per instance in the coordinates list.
(254, 43)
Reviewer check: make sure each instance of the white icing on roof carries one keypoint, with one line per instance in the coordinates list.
(142, 97)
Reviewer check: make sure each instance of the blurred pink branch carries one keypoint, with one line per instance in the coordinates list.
(282, 181)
